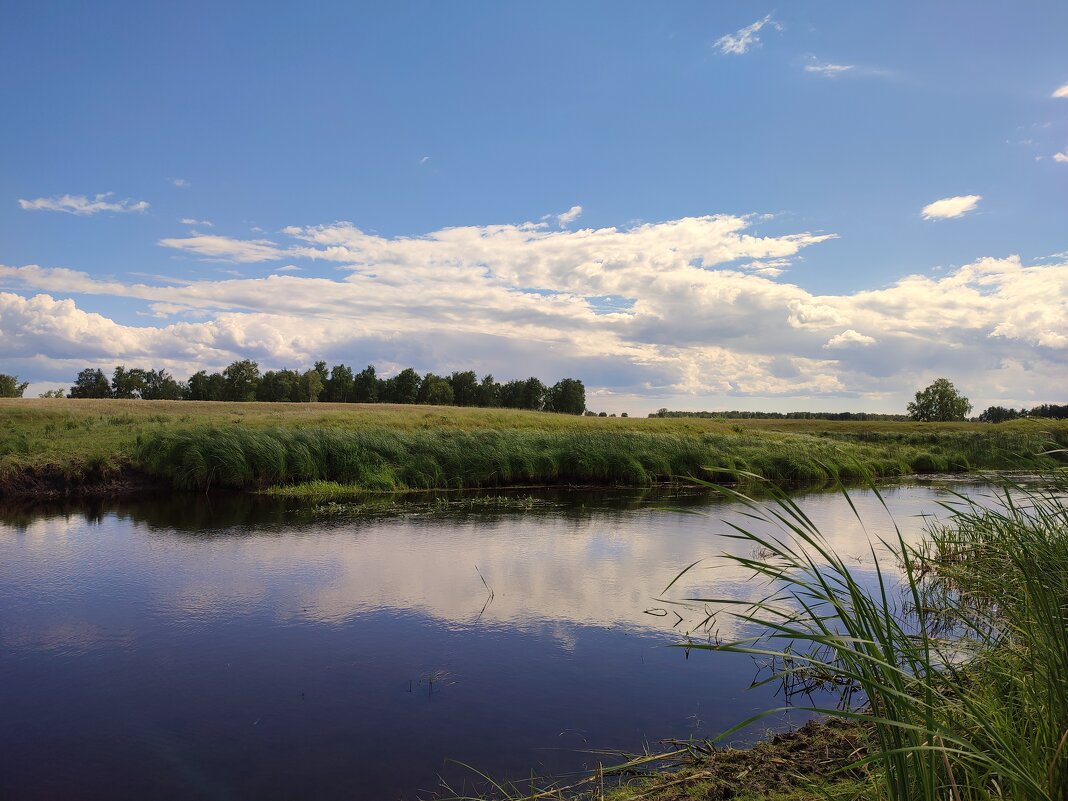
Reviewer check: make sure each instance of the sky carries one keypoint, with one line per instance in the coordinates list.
(691, 205)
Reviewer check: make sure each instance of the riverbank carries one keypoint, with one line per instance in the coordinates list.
(816, 762)
(67, 447)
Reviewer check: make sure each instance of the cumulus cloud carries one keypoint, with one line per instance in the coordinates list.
(950, 207)
(742, 40)
(1061, 91)
(849, 337)
(674, 309)
(1062, 158)
(827, 70)
(82, 205)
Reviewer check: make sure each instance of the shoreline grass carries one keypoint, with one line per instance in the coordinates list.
(54, 445)
(963, 677)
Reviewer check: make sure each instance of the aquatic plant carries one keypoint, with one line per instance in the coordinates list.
(960, 669)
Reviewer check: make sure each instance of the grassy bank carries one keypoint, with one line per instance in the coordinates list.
(55, 444)
(962, 676)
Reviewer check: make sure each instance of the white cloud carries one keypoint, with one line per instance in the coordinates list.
(742, 40)
(827, 70)
(224, 248)
(849, 337)
(569, 216)
(81, 205)
(1061, 91)
(181, 183)
(1061, 157)
(202, 223)
(950, 207)
(690, 315)
(424, 159)
(289, 268)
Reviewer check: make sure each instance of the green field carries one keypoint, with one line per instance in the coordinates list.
(63, 445)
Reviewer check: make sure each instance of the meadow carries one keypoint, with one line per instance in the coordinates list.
(63, 446)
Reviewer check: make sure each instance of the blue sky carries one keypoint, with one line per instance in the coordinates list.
(693, 205)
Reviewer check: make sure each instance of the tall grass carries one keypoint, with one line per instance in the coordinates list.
(958, 659)
(63, 443)
(201, 458)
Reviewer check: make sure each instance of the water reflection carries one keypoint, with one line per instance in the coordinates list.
(230, 647)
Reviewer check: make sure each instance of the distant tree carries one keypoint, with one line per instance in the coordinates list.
(279, 386)
(91, 383)
(1050, 410)
(998, 414)
(10, 386)
(435, 390)
(403, 387)
(241, 377)
(53, 393)
(940, 402)
(204, 387)
(602, 414)
(127, 384)
(510, 394)
(489, 392)
(324, 376)
(310, 386)
(533, 394)
(339, 386)
(567, 397)
(365, 386)
(160, 385)
(464, 388)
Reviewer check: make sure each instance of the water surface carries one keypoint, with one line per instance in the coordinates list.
(234, 648)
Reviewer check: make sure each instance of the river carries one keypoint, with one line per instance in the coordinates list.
(236, 647)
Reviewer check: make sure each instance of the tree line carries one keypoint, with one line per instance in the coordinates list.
(1001, 414)
(243, 381)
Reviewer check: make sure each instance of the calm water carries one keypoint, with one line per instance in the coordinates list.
(225, 649)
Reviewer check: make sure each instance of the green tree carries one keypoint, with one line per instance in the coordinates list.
(533, 394)
(10, 386)
(91, 383)
(435, 390)
(365, 386)
(998, 414)
(204, 387)
(939, 403)
(464, 388)
(59, 392)
(489, 392)
(339, 386)
(127, 384)
(567, 397)
(160, 385)
(241, 380)
(403, 387)
(510, 394)
(320, 368)
(310, 386)
(279, 386)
